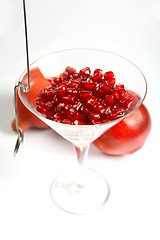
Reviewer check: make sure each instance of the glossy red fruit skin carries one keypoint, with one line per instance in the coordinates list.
(128, 135)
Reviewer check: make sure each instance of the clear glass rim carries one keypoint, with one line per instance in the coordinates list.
(94, 50)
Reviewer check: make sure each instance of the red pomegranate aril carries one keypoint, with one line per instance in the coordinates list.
(72, 114)
(60, 107)
(79, 83)
(79, 122)
(110, 100)
(72, 92)
(85, 94)
(58, 117)
(42, 109)
(77, 105)
(122, 93)
(67, 107)
(119, 109)
(89, 86)
(56, 100)
(65, 75)
(116, 94)
(97, 74)
(91, 102)
(94, 122)
(111, 81)
(48, 105)
(85, 110)
(95, 116)
(72, 84)
(68, 99)
(61, 90)
(51, 81)
(98, 108)
(70, 70)
(46, 94)
(39, 102)
(119, 86)
(85, 72)
(115, 113)
(100, 92)
(106, 88)
(57, 80)
(126, 103)
(108, 75)
(106, 111)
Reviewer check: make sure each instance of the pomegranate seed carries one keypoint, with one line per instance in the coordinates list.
(72, 92)
(67, 107)
(91, 102)
(126, 103)
(79, 122)
(97, 74)
(95, 116)
(96, 122)
(79, 82)
(51, 81)
(46, 95)
(72, 84)
(119, 86)
(65, 75)
(106, 88)
(89, 86)
(100, 92)
(122, 93)
(42, 109)
(98, 108)
(70, 70)
(116, 94)
(108, 75)
(85, 110)
(68, 99)
(77, 105)
(72, 114)
(57, 80)
(55, 99)
(48, 105)
(85, 71)
(61, 90)
(85, 94)
(110, 100)
(111, 81)
(58, 117)
(106, 111)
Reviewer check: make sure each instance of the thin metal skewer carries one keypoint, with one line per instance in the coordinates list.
(21, 86)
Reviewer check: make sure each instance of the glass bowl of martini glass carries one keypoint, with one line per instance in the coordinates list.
(88, 92)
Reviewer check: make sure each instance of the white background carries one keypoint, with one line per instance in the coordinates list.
(130, 28)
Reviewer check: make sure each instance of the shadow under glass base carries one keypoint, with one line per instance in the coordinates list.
(81, 192)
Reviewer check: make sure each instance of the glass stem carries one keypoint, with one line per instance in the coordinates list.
(81, 154)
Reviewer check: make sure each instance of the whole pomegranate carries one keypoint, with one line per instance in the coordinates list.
(128, 135)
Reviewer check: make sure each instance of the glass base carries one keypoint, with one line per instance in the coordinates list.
(81, 192)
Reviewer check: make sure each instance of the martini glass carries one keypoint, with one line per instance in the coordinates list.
(81, 190)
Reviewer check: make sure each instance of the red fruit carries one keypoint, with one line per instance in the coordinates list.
(128, 135)
(85, 72)
(98, 74)
(26, 119)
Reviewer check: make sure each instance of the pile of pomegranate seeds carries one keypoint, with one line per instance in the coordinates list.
(82, 98)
